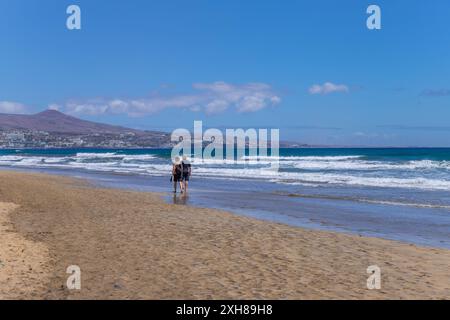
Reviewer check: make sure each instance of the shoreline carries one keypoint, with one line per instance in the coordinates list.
(381, 219)
(133, 245)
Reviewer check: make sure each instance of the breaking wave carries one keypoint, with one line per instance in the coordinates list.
(351, 170)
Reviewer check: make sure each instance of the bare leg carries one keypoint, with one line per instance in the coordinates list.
(174, 186)
(186, 183)
(181, 185)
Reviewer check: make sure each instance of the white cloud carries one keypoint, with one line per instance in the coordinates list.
(12, 107)
(211, 98)
(216, 106)
(328, 88)
(54, 107)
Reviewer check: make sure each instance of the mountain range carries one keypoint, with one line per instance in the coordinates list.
(53, 121)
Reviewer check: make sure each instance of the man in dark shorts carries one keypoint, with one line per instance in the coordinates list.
(177, 174)
(186, 173)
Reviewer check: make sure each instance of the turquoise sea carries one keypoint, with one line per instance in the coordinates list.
(401, 194)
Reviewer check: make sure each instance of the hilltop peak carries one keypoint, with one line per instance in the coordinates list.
(51, 112)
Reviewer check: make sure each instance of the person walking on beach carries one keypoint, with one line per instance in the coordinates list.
(177, 172)
(187, 172)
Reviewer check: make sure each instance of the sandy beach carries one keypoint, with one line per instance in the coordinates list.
(132, 245)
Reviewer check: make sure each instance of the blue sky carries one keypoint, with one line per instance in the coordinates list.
(310, 68)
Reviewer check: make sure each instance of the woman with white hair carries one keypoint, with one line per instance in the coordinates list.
(177, 173)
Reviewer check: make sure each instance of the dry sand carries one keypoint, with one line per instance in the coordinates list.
(132, 245)
(24, 264)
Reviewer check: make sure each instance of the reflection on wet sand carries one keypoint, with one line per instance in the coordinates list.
(180, 199)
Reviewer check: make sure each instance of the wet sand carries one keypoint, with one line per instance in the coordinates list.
(132, 245)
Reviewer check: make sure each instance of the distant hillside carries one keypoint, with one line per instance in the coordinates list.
(53, 129)
(53, 121)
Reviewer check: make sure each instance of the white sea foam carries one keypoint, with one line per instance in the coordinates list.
(54, 160)
(387, 182)
(243, 161)
(138, 157)
(11, 158)
(310, 170)
(99, 155)
(405, 204)
(372, 165)
(310, 158)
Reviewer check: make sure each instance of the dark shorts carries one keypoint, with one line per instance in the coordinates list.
(185, 176)
(177, 177)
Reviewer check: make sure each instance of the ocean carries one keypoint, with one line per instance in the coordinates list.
(401, 194)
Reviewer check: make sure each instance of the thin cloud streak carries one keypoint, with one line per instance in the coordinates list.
(416, 128)
(436, 93)
(328, 88)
